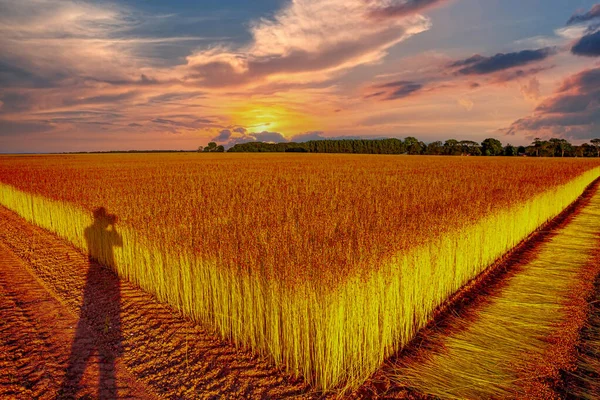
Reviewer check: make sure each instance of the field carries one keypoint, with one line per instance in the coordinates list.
(326, 264)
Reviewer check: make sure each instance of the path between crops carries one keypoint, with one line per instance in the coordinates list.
(519, 336)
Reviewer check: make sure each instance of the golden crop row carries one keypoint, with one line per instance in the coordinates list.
(326, 263)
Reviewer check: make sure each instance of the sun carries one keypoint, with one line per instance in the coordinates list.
(272, 118)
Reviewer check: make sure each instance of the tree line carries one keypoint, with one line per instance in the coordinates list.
(489, 147)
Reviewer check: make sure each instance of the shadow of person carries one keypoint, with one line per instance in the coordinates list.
(98, 332)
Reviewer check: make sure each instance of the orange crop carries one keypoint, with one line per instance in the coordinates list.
(327, 263)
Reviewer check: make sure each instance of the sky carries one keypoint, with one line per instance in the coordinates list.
(151, 74)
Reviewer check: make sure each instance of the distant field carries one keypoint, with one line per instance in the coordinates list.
(326, 263)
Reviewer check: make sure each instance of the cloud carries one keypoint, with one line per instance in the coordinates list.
(16, 128)
(480, 65)
(585, 17)
(101, 99)
(466, 104)
(306, 41)
(573, 111)
(45, 42)
(238, 135)
(518, 73)
(402, 8)
(174, 97)
(531, 90)
(227, 137)
(306, 136)
(12, 75)
(185, 122)
(223, 136)
(264, 136)
(588, 45)
(395, 90)
(14, 101)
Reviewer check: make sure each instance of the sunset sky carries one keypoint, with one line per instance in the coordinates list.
(155, 74)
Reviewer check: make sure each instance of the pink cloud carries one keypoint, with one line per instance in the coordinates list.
(306, 41)
(573, 111)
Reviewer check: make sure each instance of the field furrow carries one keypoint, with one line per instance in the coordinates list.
(44, 359)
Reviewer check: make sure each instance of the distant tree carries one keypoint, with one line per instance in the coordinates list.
(559, 146)
(596, 144)
(413, 146)
(537, 146)
(510, 150)
(491, 147)
(211, 146)
(220, 149)
(435, 148)
(469, 147)
(452, 147)
(200, 148)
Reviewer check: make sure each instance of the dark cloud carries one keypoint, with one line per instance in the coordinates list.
(395, 90)
(101, 99)
(78, 117)
(12, 75)
(143, 80)
(404, 8)
(175, 97)
(588, 45)
(16, 128)
(223, 136)
(588, 16)
(265, 136)
(573, 111)
(468, 61)
(186, 122)
(167, 122)
(513, 74)
(16, 102)
(306, 136)
(79, 114)
(480, 65)
(135, 125)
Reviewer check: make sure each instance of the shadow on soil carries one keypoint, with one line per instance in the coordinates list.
(98, 338)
